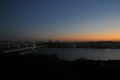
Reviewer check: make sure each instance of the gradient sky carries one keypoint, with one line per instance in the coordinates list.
(64, 20)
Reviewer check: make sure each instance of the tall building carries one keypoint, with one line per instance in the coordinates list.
(34, 45)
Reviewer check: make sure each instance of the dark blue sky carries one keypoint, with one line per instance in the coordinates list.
(59, 19)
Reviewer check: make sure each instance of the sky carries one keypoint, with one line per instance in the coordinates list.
(63, 20)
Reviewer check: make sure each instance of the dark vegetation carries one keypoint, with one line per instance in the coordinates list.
(39, 67)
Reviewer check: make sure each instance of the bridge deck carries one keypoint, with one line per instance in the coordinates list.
(22, 49)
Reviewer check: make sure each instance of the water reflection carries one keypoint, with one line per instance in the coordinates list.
(74, 53)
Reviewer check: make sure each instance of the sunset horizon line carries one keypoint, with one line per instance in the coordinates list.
(53, 40)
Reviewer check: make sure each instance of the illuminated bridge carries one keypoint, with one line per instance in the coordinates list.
(23, 49)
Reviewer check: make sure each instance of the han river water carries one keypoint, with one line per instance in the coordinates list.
(76, 53)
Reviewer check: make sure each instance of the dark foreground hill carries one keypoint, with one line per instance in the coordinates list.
(41, 67)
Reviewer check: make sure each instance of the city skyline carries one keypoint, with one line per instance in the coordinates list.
(63, 20)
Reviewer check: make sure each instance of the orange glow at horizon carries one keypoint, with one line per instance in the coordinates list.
(110, 37)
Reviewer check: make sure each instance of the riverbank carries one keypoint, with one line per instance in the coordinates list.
(37, 66)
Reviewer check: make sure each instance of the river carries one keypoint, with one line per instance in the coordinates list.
(75, 53)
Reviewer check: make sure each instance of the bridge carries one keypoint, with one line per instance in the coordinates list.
(23, 49)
